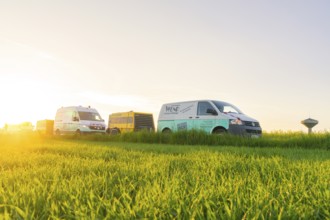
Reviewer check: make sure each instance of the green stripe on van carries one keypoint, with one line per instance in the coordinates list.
(206, 125)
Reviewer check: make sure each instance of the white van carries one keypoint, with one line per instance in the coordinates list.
(214, 117)
(78, 119)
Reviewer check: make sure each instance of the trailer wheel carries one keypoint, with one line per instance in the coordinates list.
(114, 131)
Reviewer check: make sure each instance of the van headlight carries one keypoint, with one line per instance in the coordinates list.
(236, 121)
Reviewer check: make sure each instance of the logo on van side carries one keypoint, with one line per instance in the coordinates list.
(187, 109)
(172, 109)
(182, 126)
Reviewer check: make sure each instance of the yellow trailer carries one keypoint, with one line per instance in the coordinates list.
(123, 122)
(45, 127)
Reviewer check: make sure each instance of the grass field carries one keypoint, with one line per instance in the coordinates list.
(194, 137)
(56, 178)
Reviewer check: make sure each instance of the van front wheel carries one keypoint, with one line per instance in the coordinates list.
(219, 131)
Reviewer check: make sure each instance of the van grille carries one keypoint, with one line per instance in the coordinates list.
(97, 127)
(250, 131)
(144, 121)
(251, 124)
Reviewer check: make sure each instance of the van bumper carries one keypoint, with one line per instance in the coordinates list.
(244, 130)
(92, 132)
(92, 129)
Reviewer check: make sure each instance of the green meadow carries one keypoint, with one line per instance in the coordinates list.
(174, 176)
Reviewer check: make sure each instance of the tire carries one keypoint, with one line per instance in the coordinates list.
(57, 132)
(114, 131)
(78, 133)
(219, 131)
(166, 131)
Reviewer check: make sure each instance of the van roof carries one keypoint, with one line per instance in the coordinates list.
(199, 100)
(81, 108)
(145, 113)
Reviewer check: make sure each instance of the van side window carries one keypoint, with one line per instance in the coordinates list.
(203, 107)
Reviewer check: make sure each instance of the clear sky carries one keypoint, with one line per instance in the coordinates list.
(269, 58)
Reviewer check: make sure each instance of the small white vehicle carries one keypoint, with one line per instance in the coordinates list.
(78, 120)
(214, 117)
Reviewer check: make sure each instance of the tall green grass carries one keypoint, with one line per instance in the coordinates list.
(83, 179)
(280, 139)
(195, 137)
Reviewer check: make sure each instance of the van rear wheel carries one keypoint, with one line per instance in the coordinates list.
(57, 132)
(166, 131)
(78, 133)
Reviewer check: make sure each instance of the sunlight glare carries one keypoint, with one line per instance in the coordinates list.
(24, 100)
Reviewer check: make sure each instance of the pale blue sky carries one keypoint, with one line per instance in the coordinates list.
(269, 58)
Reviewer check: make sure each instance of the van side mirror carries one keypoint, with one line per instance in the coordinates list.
(75, 119)
(211, 111)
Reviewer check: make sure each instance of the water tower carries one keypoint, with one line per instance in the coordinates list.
(309, 123)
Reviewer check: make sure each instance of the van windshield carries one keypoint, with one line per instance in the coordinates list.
(225, 107)
(90, 116)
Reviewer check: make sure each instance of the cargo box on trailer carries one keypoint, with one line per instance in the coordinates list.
(45, 127)
(122, 122)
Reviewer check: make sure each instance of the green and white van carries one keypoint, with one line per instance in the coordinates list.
(214, 117)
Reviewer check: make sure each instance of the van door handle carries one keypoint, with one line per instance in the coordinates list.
(190, 117)
(197, 117)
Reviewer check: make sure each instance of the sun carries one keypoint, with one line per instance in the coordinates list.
(23, 100)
